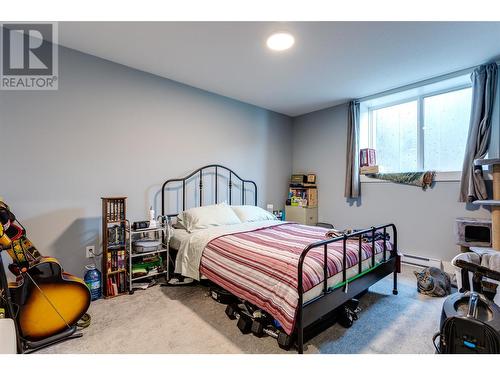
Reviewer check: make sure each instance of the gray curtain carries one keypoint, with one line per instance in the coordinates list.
(352, 185)
(484, 82)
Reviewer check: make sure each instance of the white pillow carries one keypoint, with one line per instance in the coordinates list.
(208, 216)
(178, 222)
(249, 213)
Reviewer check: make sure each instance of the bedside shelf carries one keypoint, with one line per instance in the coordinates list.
(161, 234)
(136, 255)
(145, 230)
(150, 274)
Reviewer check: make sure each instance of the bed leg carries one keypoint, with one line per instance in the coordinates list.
(395, 280)
(300, 340)
(300, 329)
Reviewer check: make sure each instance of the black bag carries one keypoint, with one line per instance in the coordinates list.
(463, 335)
(222, 296)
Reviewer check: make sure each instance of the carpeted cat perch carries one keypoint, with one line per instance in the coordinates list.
(493, 203)
(488, 257)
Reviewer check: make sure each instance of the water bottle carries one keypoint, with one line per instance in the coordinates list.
(93, 280)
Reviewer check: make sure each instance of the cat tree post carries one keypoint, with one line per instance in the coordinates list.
(495, 210)
(493, 203)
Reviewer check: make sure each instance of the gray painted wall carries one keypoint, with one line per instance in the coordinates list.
(425, 220)
(111, 130)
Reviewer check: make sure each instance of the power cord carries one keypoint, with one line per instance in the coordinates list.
(84, 321)
(94, 255)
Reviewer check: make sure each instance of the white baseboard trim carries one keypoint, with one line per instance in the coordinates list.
(418, 261)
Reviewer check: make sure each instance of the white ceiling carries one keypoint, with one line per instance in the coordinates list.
(330, 63)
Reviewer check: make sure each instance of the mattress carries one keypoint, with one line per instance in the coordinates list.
(259, 264)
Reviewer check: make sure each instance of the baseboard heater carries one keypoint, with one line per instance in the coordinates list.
(418, 261)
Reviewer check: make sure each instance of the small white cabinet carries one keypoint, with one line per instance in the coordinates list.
(302, 215)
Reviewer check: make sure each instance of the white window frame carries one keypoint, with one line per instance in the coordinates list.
(440, 176)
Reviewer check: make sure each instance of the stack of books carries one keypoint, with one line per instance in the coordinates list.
(116, 284)
(116, 270)
(368, 161)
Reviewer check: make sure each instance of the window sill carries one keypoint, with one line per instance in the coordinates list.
(440, 177)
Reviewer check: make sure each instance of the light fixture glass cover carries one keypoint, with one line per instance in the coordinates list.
(280, 41)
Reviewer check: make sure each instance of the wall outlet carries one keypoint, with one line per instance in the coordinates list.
(89, 251)
(270, 207)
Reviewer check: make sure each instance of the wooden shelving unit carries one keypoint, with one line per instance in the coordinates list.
(114, 246)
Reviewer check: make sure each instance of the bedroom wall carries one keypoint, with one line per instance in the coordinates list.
(425, 220)
(110, 130)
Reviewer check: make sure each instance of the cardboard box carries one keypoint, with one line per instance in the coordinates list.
(312, 197)
(369, 170)
(298, 179)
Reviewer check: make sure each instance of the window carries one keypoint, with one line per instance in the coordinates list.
(424, 129)
(445, 128)
(395, 134)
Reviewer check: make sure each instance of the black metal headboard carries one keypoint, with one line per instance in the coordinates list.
(216, 168)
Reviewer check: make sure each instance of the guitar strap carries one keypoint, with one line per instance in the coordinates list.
(13, 235)
(4, 239)
(23, 251)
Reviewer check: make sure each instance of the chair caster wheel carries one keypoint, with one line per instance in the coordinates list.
(131, 292)
(395, 292)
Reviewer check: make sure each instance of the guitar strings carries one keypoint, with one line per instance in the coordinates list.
(3, 297)
(49, 301)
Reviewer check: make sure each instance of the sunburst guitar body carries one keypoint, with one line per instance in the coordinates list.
(61, 300)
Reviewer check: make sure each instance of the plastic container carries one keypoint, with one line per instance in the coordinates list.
(93, 280)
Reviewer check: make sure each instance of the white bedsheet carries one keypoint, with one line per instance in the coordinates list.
(177, 237)
(190, 246)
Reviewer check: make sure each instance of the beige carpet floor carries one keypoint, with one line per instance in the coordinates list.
(187, 320)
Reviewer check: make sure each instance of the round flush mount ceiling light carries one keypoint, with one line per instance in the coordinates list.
(280, 41)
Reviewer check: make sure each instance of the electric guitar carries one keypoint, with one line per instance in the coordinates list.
(49, 299)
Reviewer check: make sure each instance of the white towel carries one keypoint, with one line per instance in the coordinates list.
(467, 257)
(491, 261)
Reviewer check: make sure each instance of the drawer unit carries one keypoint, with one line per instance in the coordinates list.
(302, 215)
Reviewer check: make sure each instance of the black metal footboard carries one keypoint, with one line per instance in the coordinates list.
(333, 297)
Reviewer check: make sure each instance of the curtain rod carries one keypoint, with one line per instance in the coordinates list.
(420, 83)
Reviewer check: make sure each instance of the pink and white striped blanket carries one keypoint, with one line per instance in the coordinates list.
(261, 266)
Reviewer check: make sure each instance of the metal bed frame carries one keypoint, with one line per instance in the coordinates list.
(334, 297)
(199, 171)
(331, 297)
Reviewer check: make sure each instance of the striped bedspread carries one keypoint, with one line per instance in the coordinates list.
(261, 266)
